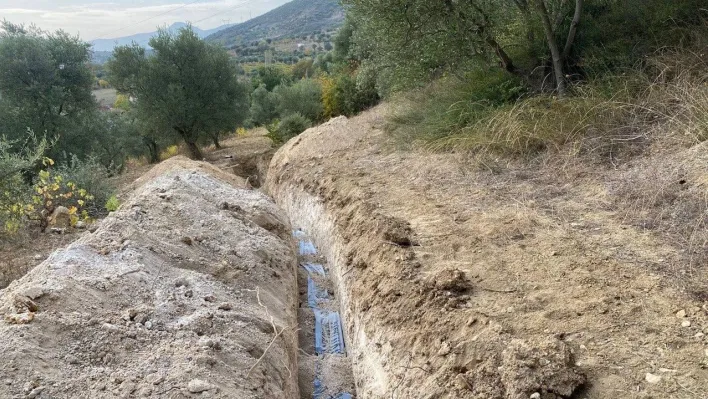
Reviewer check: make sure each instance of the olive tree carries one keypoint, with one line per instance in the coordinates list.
(45, 83)
(186, 86)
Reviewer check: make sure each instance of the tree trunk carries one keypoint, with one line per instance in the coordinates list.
(153, 149)
(506, 62)
(553, 46)
(194, 151)
(215, 139)
(573, 29)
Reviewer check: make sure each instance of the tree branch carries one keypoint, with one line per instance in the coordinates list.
(573, 30)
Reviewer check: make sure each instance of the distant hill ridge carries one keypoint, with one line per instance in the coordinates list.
(143, 38)
(299, 17)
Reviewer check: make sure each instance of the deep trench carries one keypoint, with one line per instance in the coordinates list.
(325, 370)
(321, 373)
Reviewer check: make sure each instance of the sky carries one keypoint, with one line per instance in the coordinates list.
(108, 19)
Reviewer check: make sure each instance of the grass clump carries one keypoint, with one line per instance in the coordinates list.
(490, 113)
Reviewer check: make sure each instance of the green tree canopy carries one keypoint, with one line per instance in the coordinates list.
(186, 86)
(45, 82)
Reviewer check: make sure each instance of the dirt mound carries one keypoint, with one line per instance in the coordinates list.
(178, 294)
(466, 282)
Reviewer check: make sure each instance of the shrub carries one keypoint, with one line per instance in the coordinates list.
(53, 190)
(304, 98)
(14, 190)
(112, 204)
(92, 177)
(263, 106)
(287, 128)
(169, 152)
(347, 95)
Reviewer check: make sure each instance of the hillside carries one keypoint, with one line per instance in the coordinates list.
(142, 39)
(296, 18)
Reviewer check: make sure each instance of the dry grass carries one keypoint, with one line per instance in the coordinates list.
(667, 100)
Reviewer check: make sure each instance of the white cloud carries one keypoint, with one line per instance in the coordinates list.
(92, 20)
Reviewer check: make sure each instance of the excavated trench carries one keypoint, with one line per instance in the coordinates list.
(336, 359)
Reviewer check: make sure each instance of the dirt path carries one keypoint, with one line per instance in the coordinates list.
(461, 283)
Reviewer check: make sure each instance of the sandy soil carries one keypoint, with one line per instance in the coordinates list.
(187, 290)
(461, 282)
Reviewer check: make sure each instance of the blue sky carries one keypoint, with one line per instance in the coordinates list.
(108, 19)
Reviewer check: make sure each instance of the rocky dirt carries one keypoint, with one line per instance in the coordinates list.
(187, 290)
(496, 282)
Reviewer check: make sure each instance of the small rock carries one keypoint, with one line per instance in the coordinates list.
(198, 386)
(652, 378)
(61, 218)
(148, 325)
(80, 225)
(155, 379)
(38, 257)
(35, 392)
(535, 395)
(681, 314)
(225, 306)
(685, 323)
(444, 349)
(210, 298)
(699, 335)
(186, 240)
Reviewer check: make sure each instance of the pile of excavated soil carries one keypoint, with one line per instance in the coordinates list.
(177, 294)
(512, 282)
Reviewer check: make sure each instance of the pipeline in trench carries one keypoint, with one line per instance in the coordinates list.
(325, 371)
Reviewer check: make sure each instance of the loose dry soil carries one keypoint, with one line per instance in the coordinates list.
(555, 279)
(512, 282)
(177, 294)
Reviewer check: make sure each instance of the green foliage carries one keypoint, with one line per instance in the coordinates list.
(343, 95)
(453, 103)
(270, 77)
(92, 176)
(289, 127)
(304, 98)
(617, 34)
(263, 106)
(112, 204)
(45, 84)
(187, 86)
(303, 69)
(14, 192)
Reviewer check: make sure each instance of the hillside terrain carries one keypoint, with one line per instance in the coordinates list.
(299, 17)
(525, 280)
(142, 39)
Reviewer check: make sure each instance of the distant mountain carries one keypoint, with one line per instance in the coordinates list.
(299, 17)
(143, 38)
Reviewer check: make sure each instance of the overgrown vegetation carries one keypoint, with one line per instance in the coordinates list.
(521, 77)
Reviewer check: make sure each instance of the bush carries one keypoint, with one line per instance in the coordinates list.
(287, 128)
(53, 190)
(344, 95)
(14, 190)
(112, 204)
(91, 176)
(611, 116)
(304, 98)
(263, 106)
(451, 104)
